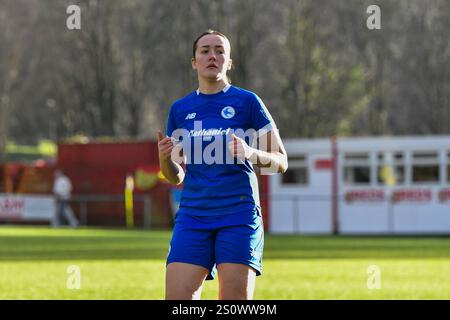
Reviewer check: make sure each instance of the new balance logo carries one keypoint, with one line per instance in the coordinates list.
(190, 116)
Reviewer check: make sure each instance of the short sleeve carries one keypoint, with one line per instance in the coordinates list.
(261, 118)
(171, 123)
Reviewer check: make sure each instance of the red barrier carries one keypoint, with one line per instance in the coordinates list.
(101, 169)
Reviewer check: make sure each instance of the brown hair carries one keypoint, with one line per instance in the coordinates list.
(209, 31)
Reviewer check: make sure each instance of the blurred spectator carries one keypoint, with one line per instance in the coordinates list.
(62, 189)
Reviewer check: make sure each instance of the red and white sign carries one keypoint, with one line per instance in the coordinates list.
(324, 164)
(11, 207)
(412, 195)
(444, 195)
(364, 196)
(26, 207)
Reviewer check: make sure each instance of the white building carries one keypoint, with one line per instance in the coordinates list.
(383, 185)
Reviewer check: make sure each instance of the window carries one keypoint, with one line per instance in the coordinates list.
(295, 176)
(356, 168)
(448, 167)
(354, 175)
(425, 167)
(297, 172)
(426, 174)
(391, 168)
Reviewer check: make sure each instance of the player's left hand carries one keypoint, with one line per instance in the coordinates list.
(239, 148)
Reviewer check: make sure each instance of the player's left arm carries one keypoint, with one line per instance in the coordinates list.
(269, 153)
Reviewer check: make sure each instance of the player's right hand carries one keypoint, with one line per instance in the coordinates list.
(165, 146)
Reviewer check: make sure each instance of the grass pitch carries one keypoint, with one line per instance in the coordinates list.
(130, 264)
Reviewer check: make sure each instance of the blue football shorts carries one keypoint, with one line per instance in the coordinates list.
(208, 241)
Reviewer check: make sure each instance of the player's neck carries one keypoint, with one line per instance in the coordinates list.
(211, 87)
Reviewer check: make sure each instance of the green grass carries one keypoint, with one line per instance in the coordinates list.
(124, 264)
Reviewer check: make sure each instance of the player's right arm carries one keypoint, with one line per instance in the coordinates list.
(172, 170)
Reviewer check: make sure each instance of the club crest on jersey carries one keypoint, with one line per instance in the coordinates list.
(228, 112)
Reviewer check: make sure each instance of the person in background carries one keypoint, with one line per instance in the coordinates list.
(62, 190)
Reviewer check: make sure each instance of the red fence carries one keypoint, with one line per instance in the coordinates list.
(101, 169)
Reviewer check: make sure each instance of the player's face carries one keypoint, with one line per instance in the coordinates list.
(212, 57)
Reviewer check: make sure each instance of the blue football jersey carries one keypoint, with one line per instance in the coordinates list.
(216, 183)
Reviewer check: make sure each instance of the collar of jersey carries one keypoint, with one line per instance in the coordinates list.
(228, 86)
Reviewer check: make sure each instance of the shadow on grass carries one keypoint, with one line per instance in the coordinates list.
(360, 247)
(154, 245)
(14, 248)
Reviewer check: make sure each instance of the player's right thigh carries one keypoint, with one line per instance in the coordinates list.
(184, 281)
(190, 259)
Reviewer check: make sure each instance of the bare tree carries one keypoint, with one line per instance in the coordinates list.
(315, 64)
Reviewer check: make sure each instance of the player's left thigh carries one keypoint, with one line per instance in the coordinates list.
(236, 281)
(239, 259)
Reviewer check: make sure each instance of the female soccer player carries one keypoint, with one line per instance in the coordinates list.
(215, 135)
